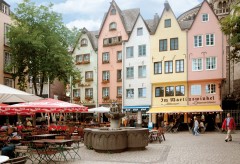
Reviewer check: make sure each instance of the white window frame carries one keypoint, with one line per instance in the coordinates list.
(119, 90)
(119, 55)
(181, 89)
(158, 68)
(179, 66)
(113, 26)
(106, 75)
(204, 18)
(105, 57)
(89, 75)
(105, 91)
(196, 66)
(198, 39)
(7, 58)
(6, 30)
(89, 92)
(170, 88)
(210, 62)
(196, 90)
(5, 9)
(210, 39)
(168, 66)
(159, 89)
(142, 50)
(79, 58)
(76, 92)
(210, 89)
(142, 92)
(142, 71)
(130, 72)
(130, 52)
(139, 31)
(130, 93)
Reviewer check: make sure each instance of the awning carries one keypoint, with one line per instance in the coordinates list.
(186, 109)
(136, 108)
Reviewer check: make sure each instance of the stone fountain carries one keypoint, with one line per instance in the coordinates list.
(115, 139)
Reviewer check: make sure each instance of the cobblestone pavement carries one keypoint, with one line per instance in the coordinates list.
(179, 148)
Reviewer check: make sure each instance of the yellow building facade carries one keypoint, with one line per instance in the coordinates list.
(169, 63)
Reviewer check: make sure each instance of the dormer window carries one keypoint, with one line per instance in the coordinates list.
(113, 12)
(84, 42)
(113, 26)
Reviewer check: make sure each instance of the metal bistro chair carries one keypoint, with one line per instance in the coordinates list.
(18, 160)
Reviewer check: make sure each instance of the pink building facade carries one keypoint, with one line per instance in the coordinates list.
(111, 35)
(206, 58)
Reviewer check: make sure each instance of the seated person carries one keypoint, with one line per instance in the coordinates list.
(4, 127)
(9, 151)
(29, 124)
(19, 126)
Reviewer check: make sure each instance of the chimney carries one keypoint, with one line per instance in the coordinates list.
(166, 5)
(156, 18)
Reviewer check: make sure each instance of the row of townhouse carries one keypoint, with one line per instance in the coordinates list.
(163, 65)
(5, 22)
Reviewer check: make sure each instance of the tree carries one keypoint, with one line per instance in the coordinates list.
(39, 44)
(230, 26)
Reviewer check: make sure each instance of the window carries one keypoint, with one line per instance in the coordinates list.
(119, 75)
(142, 50)
(204, 17)
(105, 92)
(130, 93)
(141, 71)
(211, 88)
(129, 52)
(76, 92)
(7, 59)
(89, 92)
(169, 91)
(8, 82)
(157, 67)
(180, 90)
(167, 23)
(89, 76)
(198, 41)
(168, 66)
(5, 9)
(141, 92)
(139, 31)
(174, 44)
(119, 56)
(113, 26)
(196, 90)
(105, 57)
(6, 30)
(163, 45)
(210, 39)
(113, 12)
(119, 91)
(86, 57)
(197, 64)
(79, 58)
(84, 42)
(179, 66)
(159, 91)
(112, 41)
(130, 72)
(106, 75)
(211, 63)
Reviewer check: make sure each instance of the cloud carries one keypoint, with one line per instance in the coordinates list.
(89, 24)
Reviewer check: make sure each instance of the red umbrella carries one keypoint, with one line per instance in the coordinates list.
(47, 106)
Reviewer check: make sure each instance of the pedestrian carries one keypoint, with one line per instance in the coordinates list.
(195, 126)
(228, 125)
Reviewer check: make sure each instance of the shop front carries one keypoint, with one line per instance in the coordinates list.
(138, 114)
(183, 115)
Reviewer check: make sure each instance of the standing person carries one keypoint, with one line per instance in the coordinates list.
(229, 125)
(196, 126)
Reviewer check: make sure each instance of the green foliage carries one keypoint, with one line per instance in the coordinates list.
(39, 43)
(230, 26)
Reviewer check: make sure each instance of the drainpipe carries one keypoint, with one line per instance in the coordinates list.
(123, 75)
(187, 58)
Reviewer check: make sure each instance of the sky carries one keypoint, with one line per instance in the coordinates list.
(89, 13)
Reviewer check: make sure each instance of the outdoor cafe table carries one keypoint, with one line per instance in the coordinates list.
(3, 158)
(45, 154)
(44, 136)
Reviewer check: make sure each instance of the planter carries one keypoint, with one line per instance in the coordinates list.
(76, 98)
(106, 98)
(105, 81)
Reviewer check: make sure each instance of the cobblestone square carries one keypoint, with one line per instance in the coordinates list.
(179, 148)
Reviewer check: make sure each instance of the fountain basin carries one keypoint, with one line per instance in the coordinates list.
(116, 140)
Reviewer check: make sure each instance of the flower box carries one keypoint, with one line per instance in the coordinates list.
(119, 96)
(88, 79)
(105, 97)
(105, 81)
(76, 98)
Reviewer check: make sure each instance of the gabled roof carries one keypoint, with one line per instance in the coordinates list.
(188, 12)
(153, 23)
(204, 1)
(128, 17)
(91, 36)
(186, 24)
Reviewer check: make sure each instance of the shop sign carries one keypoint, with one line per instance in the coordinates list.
(135, 109)
(205, 99)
